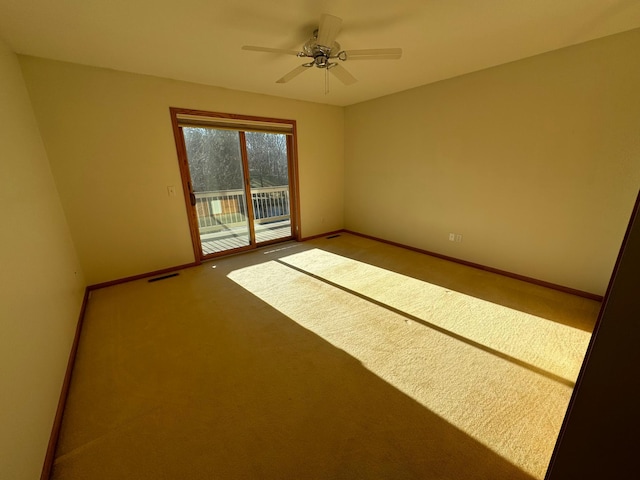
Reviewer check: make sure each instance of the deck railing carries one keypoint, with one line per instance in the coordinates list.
(228, 207)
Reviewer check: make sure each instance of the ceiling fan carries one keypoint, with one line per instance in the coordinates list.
(322, 48)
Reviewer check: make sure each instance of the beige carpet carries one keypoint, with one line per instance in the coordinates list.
(338, 358)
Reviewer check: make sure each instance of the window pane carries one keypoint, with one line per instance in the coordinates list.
(269, 177)
(215, 165)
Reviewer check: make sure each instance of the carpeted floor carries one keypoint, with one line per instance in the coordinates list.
(337, 358)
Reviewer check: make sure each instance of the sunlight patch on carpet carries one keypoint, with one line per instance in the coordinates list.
(553, 347)
(514, 410)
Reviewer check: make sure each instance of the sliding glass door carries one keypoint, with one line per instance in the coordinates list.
(237, 174)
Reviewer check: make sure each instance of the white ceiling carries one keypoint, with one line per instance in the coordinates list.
(200, 40)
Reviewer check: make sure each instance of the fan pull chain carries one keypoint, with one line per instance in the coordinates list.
(326, 81)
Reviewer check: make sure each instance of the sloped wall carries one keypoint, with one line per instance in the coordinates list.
(41, 284)
(598, 439)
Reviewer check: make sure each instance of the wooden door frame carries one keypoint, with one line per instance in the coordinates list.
(246, 183)
(185, 176)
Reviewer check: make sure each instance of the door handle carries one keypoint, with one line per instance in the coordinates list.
(192, 196)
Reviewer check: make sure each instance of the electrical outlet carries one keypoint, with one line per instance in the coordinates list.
(452, 237)
(458, 238)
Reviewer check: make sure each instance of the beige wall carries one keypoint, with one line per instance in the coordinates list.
(536, 163)
(109, 140)
(41, 284)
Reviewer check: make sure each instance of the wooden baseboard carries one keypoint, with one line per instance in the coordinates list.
(57, 421)
(320, 235)
(572, 291)
(141, 276)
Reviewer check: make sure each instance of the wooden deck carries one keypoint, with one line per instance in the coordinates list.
(237, 237)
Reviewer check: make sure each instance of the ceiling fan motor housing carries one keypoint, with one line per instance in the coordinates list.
(320, 53)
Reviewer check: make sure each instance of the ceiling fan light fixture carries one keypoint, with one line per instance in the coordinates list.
(321, 61)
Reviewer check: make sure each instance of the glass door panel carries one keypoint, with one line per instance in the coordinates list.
(217, 188)
(268, 162)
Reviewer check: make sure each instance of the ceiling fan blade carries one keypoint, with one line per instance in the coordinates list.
(293, 73)
(270, 50)
(374, 54)
(374, 57)
(328, 30)
(342, 74)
